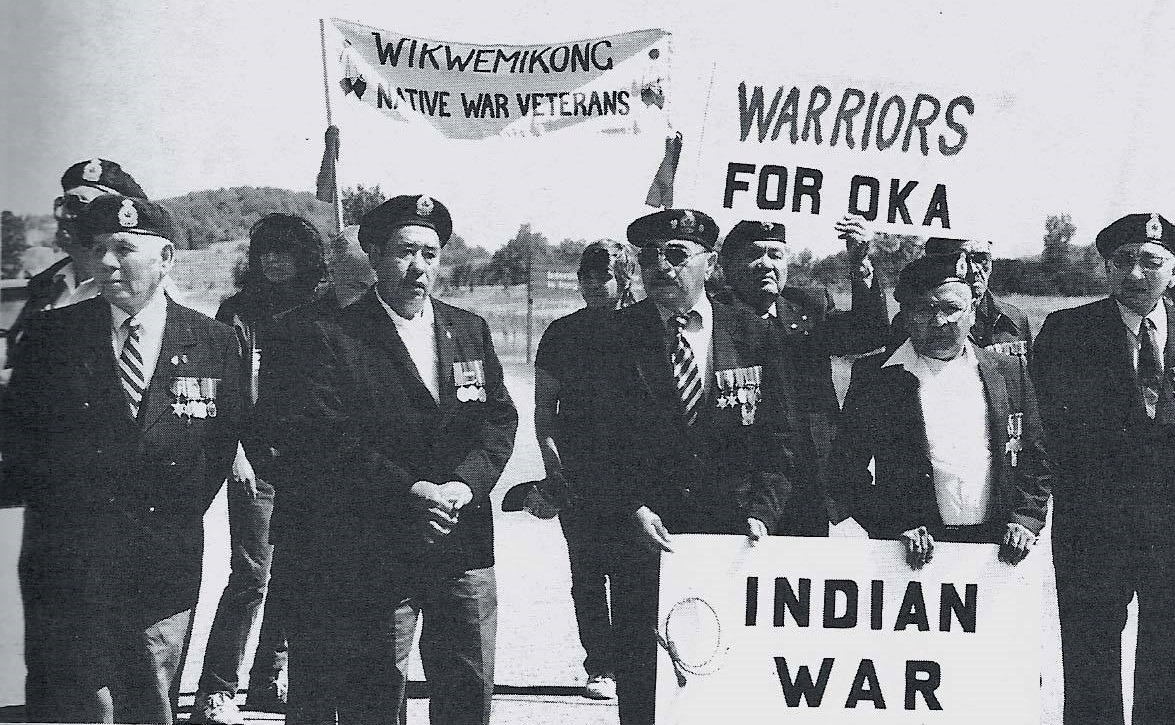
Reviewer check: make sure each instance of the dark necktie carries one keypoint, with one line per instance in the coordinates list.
(130, 366)
(1150, 367)
(685, 368)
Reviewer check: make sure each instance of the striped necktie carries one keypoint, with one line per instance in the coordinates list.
(685, 369)
(130, 366)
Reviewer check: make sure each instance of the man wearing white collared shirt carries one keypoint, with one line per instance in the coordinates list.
(952, 428)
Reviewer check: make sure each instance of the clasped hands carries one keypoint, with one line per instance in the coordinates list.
(655, 536)
(1014, 547)
(440, 505)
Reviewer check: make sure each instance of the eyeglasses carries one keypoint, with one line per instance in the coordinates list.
(68, 207)
(947, 314)
(674, 255)
(978, 257)
(1148, 262)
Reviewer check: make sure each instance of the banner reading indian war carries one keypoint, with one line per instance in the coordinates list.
(804, 149)
(841, 630)
(612, 84)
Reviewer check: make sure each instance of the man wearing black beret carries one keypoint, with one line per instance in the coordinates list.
(951, 428)
(400, 429)
(120, 426)
(68, 280)
(754, 259)
(692, 429)
(1104, 373)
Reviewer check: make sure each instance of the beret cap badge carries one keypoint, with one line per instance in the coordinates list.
(93, 171)
(128, 215)
(765, 226)
(689, 223)
(424, 206)
(1154, 228)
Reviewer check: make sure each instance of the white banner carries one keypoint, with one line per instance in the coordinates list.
(828, 631)
(616, 84)
(804, 149)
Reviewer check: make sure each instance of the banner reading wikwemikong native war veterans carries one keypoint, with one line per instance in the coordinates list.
(610, 84)
(841, 630)
(804, 149)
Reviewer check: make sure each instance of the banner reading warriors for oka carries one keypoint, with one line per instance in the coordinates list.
(840, 631)
(613, 84)
(804, 149)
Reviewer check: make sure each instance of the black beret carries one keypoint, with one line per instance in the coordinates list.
(685, 224)
(402, 211)
(946, 245)
(112, 213)
(1140, 228)
(101, 174)
(926, 273)
(748, 232)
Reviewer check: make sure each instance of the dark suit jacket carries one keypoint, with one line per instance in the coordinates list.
(712, 476)
(363, 429)
(1113, 461)
(43, 289)
(882, 420)
(124, 499)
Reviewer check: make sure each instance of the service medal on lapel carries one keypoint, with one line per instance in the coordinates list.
(194, 397)
(470, 380)
(740, 388)
(1015, 432)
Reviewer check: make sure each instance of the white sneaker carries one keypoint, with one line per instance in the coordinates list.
(600, 687)
(216, 708)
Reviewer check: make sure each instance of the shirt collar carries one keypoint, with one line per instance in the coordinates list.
(905, 356)
(424, 319)
(151, 317)
(1133, 320)
(703, 307)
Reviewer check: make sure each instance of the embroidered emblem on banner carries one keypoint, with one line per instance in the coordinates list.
(194, 397)
(470, 380)
(740, 388)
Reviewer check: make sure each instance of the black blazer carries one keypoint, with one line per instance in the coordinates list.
(712, 476)
(882, 421)
(1113, 461)
(125, 497)
(363, 429)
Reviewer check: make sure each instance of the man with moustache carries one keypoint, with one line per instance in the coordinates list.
(1104, 373)
(950, 428)
(68, 280)
(400, 429)
(120, 427)
(692, 429)
(754, 260)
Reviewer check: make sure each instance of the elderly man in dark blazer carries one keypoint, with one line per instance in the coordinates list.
(693, 431)
(952, 428)
(120, 426)
(400, 429)
(1104, 372)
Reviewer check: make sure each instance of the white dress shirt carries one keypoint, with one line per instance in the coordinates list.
(1133, 322)
(153, 318)
(419, 336)
(957, 436)
(699, 333)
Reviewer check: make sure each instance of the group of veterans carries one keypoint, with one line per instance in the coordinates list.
(362, 424)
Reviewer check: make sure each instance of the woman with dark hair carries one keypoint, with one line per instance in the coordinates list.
(607, 274)
(282, 271)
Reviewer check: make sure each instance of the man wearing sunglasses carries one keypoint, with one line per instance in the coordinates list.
(1104, 372)
(999, 325)
(690, 430)
(68, 281)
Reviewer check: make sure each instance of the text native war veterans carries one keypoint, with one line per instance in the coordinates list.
(693, 429)
(952, 429)
(1104, 372)
(405, 425)
(121, 424)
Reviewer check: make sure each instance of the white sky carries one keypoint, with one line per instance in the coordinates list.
(190, 96)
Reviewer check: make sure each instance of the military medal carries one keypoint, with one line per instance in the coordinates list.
(1015, 432)
(469, 379)
(739, 388)
(194, 397)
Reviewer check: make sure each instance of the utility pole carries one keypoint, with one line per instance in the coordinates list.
(529, 298)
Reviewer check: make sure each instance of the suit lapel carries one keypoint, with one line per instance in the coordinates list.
(380, 328)
(646, 336)
(178, 340)
(995, 392)
(1119, 358)
(903, 403)
(446, 354)
(99, 368)
(726, 344)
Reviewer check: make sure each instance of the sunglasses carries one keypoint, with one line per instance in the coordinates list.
(674, 255)
(67, 207)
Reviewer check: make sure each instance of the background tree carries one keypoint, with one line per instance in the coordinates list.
(13, 242)
(1058, 235)
(463, 264)
(508, 265)
(359, 200)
